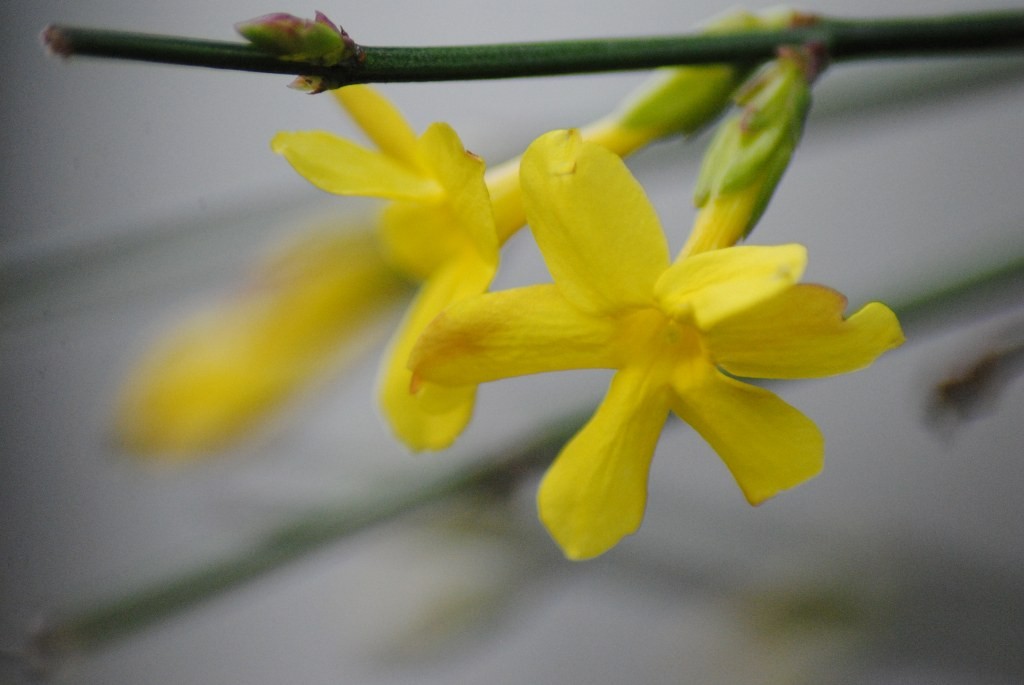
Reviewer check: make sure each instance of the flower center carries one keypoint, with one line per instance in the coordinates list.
(666, 346)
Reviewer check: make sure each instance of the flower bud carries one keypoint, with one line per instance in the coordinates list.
(318, 40)
(685, 99)
(751, 150)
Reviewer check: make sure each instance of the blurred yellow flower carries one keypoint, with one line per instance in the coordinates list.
(224, 370)
(676, 334)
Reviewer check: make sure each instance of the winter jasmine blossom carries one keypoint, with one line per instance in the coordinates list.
(676, 335)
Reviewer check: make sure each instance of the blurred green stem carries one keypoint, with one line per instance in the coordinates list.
(92, 627)
(839, 38)
(934, 307)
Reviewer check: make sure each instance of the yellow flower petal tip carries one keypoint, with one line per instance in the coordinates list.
(668, 330)
(560, 150)
(429, 420)
(596, 491)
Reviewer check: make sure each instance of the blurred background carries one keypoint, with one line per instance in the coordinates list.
(134, 194)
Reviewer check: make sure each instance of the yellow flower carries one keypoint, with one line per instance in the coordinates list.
(439, 229)
(223, 370)
(676, 334)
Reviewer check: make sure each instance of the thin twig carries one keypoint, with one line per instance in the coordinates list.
(841, 40)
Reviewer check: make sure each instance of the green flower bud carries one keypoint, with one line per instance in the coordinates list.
(685, 99)
(682, 99)
(752, 148)
(318, 41)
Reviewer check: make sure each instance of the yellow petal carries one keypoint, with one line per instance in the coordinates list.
(420, 237)
(715, 285)
(228, 367)
(339, 166)
(511, 333)
(801, 333)
(598, 232)
(461, 174)
(381, 122)
(768, 445)
(503, 179)
(433, 417)
(596, 491)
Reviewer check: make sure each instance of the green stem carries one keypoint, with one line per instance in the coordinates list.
(841, 40)
(95, 626)
(962, 298)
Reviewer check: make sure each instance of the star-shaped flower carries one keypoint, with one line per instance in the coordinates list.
(676, 334)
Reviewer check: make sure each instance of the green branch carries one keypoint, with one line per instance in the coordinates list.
(840, 39)
(94, 626)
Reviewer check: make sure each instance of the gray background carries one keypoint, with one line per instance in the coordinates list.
(134, 193)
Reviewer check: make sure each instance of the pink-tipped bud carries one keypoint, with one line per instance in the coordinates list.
(318, 41)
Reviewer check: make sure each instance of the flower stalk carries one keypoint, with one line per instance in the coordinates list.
(842, 39)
